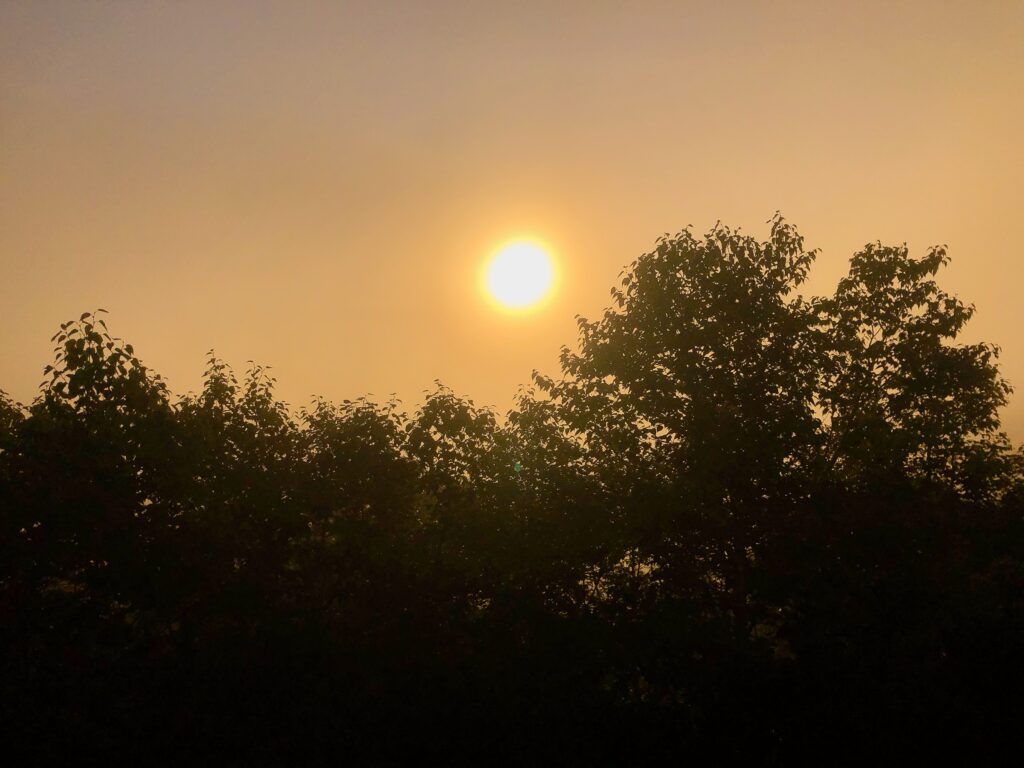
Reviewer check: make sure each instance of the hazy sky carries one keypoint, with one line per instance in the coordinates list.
(314, 186)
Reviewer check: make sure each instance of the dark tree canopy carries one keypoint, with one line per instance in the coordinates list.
(743, 525)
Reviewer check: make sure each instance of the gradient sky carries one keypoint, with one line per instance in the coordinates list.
(314, 186)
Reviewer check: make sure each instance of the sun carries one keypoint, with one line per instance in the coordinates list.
(519, 275)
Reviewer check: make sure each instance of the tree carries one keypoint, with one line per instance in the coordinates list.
(699, 384)
(896, 396)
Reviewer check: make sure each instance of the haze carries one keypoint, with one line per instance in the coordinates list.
(314, 186)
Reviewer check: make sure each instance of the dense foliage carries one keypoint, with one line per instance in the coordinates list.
(742, 526)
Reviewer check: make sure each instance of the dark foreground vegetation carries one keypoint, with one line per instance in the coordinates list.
(743, 527)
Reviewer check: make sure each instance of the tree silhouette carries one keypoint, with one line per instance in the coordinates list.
(742, 525)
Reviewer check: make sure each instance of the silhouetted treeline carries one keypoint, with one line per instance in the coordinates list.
(743, 526)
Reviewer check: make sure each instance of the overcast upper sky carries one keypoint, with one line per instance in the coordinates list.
(314, 185)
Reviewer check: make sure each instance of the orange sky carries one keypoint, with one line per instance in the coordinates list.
(314, 186)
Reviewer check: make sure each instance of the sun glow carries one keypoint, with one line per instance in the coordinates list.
(519, 275)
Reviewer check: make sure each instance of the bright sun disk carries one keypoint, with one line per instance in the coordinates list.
(519, 275)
